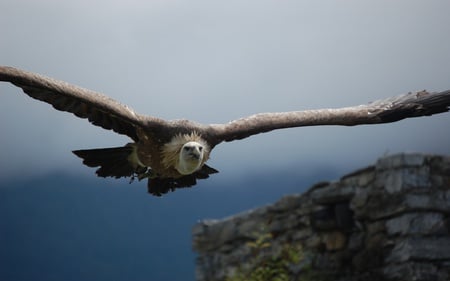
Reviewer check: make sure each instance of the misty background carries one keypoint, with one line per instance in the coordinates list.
(210, 62)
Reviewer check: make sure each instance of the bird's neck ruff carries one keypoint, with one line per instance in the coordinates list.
(171, 151)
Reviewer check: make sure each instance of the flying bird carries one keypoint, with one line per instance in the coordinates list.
(173, 154)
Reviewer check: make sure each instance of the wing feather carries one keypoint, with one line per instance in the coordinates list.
(107, 113)
(99, 109)
(382, 111)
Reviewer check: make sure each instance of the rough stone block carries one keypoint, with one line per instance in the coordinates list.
(356, 241)
(334, 240)
(440, 165)
(382, 205)
(400, 160)
(404, 179)
(250, 228)
(360, 198)
(375, 227)
(360, 178)
(289, 202)
(417, 223)
(302, 234)
(416, 271)
(420, 248)
(332, 193)
(438, 201)
(214, 235)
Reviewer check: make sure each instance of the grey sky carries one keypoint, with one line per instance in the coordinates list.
(214, 61)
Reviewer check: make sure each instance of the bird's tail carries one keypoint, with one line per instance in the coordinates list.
(113, 162)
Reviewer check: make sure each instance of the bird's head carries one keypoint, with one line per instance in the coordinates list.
(191, 157)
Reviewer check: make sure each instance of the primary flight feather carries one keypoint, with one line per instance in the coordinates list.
(173, 154)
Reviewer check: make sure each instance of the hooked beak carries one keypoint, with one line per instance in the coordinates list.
(195, 155)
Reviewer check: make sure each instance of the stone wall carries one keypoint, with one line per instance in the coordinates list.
(390, 221)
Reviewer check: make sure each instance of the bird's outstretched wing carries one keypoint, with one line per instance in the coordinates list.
(109, 114)
(382, 111)
(99, 109)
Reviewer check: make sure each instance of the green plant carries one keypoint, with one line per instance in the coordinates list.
(264, 264)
